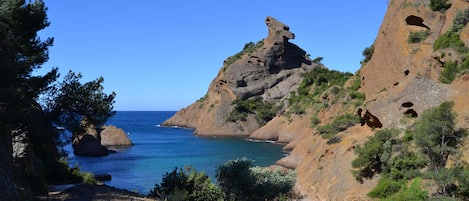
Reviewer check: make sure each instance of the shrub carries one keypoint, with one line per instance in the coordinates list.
(186, 184)
(339, 124)
(450, 40)
(461, 20)
(417, 37)
(367, 53)
(240, 181)
(414, 192)
(449, 72)
(334, 140)
(247, 49)
(272, 183)
(373, 156)
(439, 5)
(385, 188)
(264, 111)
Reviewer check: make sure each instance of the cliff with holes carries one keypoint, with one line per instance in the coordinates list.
(418, 60)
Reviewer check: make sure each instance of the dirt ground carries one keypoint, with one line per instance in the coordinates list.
(98, 192)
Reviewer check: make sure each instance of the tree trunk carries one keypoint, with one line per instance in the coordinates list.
(7, 187)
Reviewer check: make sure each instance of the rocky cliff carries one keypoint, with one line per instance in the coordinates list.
(265, 72)
(407, 72)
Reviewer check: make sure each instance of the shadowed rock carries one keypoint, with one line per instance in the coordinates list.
(415, 21)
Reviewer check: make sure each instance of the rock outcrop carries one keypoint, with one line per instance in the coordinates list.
(113, 136)
(270, 69)
(89, 145)
(400, 81)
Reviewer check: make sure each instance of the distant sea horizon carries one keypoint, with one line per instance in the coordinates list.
(158, 150)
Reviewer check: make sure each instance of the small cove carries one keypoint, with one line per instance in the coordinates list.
(158, 150)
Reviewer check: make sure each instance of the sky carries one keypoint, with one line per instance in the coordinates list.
(161, 55)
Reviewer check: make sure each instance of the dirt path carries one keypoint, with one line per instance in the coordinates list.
(87, 192)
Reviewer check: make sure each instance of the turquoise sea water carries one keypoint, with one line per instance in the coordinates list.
(158, 150)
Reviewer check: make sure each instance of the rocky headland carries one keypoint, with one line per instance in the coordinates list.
(263, 93)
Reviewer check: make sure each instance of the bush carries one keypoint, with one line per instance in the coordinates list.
(385, 188)
(414, 192)
(334, 140)
(461, 20)
(247, 49)
(367, 53)
(373, 156)
(450, 40)
(449, 72)
(439, 5)
(240, 181)
(339, 124)
(186, 184)
(264, 111)
(417, 37)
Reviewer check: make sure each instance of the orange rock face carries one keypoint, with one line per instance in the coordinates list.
(400, 82)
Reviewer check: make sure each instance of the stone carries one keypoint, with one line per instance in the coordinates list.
(88, 145)
(113, 136)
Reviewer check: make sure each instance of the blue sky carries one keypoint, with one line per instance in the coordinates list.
(162, 54)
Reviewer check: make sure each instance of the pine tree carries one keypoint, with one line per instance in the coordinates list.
(21, 52)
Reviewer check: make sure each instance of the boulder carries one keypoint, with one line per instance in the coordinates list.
(113, 136)
(88, 145)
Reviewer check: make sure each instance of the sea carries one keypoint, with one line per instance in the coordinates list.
(158, 150)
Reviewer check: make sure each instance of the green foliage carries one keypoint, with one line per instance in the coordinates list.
(439, 5)
(435, 134)
(339, 124)
(461, 20)
(437, 138)
(22, 52)
(264, 111)
(450, 40)
(315, 83)
(356, 83)
(334, 140)
(315, 121)
(405, 165)
(449, 72)
(272, 183)
(88, 177)
(419, 36)
(367, 53)
(374, 155)
(385, 188)
(318, 60)
(74, 102)
(240, 181)
(247, 49)
(412, 193)
(186, 184)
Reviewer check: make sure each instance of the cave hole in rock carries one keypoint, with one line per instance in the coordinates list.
(406, 72)
(396, 83)
(407, 104)
(411, 113)
(415, 21)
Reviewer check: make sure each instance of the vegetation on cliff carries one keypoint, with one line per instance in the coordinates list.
(264, 111)
(423, 152)
(452, 40)
(247, 49)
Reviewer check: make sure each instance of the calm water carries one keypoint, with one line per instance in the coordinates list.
(158, 150)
